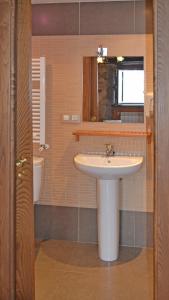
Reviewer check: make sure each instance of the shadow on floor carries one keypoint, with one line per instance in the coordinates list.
(83, 255)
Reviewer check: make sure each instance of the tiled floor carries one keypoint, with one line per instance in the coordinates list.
(71, 271)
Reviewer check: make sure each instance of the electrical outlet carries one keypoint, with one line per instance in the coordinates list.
(76, 118)
(66, 118)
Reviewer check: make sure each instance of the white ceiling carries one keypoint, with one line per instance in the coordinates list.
(68, 1)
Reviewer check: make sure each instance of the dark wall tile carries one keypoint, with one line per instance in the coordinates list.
(42, 221)
(55, 19)
(140, 20)
(80, 224)
(143, 229)
(107, 18)
(127, 233)
(87, 225)
(55, 222)
(126, 17)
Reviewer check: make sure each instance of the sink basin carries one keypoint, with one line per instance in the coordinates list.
(103, 167)
(108, 171)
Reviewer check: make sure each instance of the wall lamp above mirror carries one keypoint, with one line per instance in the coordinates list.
(101, 54)
(113, 89)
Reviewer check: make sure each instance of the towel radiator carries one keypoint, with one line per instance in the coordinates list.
(39, 100)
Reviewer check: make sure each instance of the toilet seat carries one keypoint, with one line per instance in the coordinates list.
(38, 161)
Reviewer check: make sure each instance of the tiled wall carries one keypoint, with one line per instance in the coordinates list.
(80, 224)
(62, 184)
(91, 18)
(132, 117)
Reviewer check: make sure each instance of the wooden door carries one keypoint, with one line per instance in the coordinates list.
(16, 207)
(7, 154)
(24, 179)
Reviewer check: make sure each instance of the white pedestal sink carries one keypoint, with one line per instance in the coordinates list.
(108, 170)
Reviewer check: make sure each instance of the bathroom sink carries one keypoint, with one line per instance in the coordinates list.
(108, 169)
(111, 167)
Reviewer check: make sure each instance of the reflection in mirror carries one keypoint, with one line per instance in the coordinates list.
(113, 91)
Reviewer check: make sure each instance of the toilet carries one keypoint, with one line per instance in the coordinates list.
(38, 163)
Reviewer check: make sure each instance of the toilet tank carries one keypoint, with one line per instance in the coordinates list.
(38, 163)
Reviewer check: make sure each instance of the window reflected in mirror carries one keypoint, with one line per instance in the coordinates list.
(113, 91)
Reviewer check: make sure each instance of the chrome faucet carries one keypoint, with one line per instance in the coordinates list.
(109, 150)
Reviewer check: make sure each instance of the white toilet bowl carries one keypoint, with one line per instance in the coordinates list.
(37, 176)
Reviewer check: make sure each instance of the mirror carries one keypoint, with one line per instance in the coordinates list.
(113, 89)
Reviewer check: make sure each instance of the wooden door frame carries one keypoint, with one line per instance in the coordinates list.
(161, 121)
(8, 226)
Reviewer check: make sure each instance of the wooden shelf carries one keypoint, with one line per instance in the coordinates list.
(80, 133)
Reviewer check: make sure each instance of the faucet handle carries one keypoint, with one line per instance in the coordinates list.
(109, 146)
(109, 149)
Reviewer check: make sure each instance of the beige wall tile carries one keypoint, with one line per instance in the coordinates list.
(63, 185)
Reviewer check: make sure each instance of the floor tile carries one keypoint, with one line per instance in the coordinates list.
(72, 271)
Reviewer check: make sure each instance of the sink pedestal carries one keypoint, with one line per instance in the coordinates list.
(108, 171)
(108, 218)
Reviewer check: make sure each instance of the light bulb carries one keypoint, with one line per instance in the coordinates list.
(100, 60)
(120, 58)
